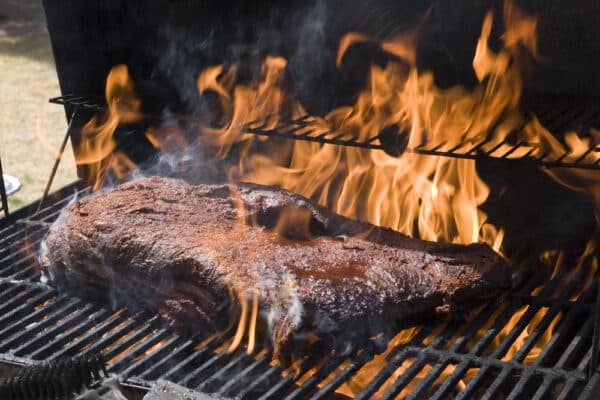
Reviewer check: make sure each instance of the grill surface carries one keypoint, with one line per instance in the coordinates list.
(37, 323)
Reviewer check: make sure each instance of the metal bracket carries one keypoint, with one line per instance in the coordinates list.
(59, 156)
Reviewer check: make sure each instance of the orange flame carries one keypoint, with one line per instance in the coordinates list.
(96, 149)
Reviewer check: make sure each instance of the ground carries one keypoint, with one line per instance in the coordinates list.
(31, 129)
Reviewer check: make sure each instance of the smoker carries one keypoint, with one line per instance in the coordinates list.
(166, 44)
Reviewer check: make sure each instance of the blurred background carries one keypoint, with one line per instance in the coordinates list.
(31, 129)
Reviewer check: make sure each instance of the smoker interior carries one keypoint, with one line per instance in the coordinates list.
(463, 358)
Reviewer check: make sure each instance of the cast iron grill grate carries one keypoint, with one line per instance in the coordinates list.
(463, 358)
(556, 117)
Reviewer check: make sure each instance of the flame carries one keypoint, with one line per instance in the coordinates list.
(433, 198)
(97, 148)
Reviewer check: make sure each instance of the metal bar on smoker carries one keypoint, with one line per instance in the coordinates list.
(490, 394)
(384, 373)
(50, 318)
(288, 127)
(139, 333)
(546, 319)
(158, 355)
(209, 384)
(95, 331)
(581, 338)
(566, 324)
(596, 334)
(149, 373)
(129, 325)
(3, 195)
(361, 359)
(64, 338)
(59, 157)
(566, 393)
(407, 376)
(191, 378)
(18, 307)
(175, 372)
(140, 347)
(261, 380)
(428, 380)
(395, 358)
(229, 386)
(276, 390)
(451, 381)
(518, 390)
(542, 391)
(310, 384)
(492, 332)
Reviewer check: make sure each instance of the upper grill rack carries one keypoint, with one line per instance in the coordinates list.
(555, 118)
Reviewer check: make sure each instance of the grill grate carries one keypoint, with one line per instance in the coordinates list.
(556, 119)
(463, 358)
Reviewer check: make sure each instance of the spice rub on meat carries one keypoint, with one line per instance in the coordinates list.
(184, 251)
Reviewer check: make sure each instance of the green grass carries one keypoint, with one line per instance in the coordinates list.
(31, 129)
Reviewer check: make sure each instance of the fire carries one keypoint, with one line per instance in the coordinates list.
(97, 149)
(434, 198)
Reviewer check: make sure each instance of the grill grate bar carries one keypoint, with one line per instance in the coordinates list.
(27, 308)
(229, 387)
(144, 363)
(259, 382)
(321, 373)
(209, 384)
(179, 369)
(519, 388)
(192, 378)
(427, 381)
(578, 341)
(396, 356)
(406, 377)
(567, 390)
(123, 329)
(451, 381)
(129, 340)
(44, 215)
(526, 319)
(544, 388)
(362, 358)
(566, 324)
(492, 391)
(286, 128)
(288, 381)
(94, 331)
(64, 338)
(584, 363)
(383, 375)
(150, 373)
(140, 347)
(69, 318)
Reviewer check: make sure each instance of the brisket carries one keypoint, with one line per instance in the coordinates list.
(185, 251)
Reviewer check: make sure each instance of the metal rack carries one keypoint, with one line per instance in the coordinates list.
(39, 323)
(159, 352)
(395, 142)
